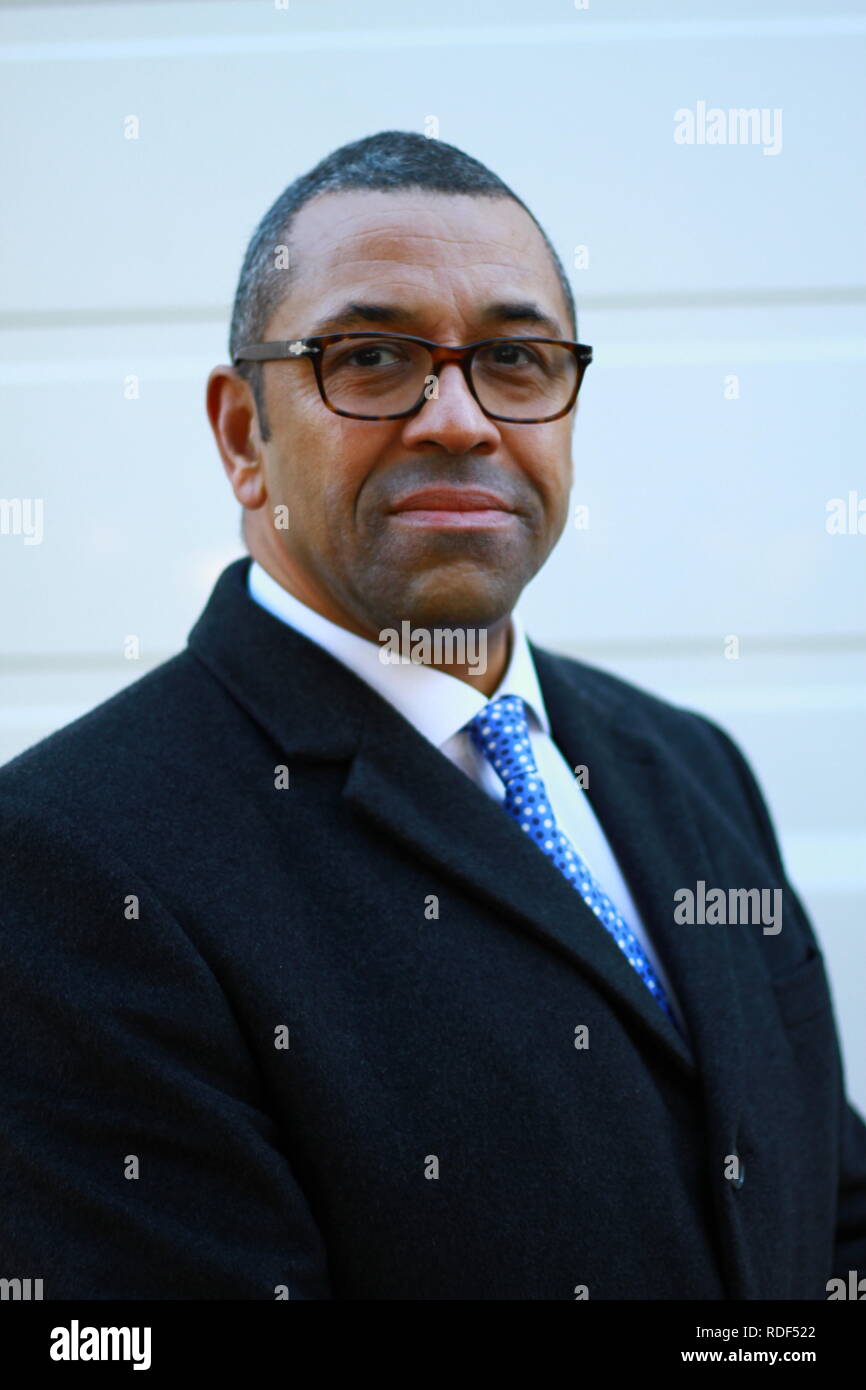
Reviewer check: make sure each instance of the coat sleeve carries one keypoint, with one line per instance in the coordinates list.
(137, 1156)
(850, 1235)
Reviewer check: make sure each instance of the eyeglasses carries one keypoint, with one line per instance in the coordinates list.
(370, 376)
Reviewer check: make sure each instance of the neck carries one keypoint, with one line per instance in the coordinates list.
(478, 656)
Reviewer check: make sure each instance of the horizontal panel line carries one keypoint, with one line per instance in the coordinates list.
(722, 299)
(578, 30)
(40, 320)
(95, 317)
(729, 354)
(757, 645)
(718, 698)
(662, 648)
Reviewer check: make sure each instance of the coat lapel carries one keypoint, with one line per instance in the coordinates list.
(651, 804)
(645, 810)
(413, 793)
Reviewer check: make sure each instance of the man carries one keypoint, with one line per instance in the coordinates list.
(330, 976)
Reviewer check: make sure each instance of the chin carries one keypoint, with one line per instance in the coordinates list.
(451, 594)
(480, 606)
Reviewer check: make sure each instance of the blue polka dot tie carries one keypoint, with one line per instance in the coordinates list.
(501, 733)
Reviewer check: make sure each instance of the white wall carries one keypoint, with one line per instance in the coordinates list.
(707, 514)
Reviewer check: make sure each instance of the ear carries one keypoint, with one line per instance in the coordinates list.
(231, 411)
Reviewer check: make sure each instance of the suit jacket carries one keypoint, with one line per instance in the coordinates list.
(319, 1040)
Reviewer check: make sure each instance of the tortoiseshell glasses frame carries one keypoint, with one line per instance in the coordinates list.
(313, 350)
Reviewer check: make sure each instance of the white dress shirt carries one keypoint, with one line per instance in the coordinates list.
(438, 705)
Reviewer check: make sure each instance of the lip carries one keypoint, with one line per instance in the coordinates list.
(436, 500)
(449, 519)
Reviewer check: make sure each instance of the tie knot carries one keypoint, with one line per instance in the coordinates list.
(501, 733)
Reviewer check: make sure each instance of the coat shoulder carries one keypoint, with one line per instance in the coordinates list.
(132, 738)
(702, 753)
(685, 730)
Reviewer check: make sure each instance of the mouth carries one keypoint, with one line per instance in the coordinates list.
(453, 509)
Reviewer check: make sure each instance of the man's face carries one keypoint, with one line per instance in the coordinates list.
(441, 262)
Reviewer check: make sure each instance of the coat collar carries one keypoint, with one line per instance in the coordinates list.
(439, 705)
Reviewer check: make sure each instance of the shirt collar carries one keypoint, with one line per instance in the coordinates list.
(436, 703)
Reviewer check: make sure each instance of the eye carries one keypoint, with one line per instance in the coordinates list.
(382, 353)
(512, 354)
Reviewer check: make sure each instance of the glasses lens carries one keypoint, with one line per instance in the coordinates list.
(515, 377)
(524, 379)
(375, 376)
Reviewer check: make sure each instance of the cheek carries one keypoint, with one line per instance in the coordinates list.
(350, 453)
(564, 465)
(332, 463)
(549, 470)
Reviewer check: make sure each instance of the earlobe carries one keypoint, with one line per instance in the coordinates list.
(247, 480)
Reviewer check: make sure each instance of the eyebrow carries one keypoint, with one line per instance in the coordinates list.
(354, 314)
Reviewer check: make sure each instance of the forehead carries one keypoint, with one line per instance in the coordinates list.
(419, 244)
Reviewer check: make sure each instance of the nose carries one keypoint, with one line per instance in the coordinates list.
(451, 418)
